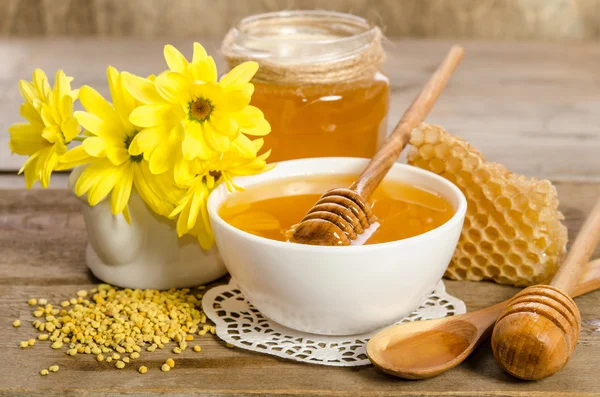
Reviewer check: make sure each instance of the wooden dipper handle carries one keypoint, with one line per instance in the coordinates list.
(538, 331)
(581, 250)
(385, 158)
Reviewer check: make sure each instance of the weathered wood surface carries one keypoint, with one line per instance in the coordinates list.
(42, 240)
(521, 19)
(533, 107)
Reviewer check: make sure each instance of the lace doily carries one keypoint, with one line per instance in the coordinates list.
(240, 324)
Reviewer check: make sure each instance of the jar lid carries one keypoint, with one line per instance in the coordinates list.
(304, 47)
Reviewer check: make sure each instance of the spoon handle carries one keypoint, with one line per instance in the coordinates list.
(588, 237)
(379, 166)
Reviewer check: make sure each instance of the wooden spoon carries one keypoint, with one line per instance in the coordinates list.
(342, 214)
(425, 349)
(538, 331)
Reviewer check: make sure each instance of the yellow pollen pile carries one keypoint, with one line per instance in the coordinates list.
(110, 322)
(513, 232)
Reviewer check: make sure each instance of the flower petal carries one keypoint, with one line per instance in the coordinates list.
(94, 103)
(233, 101)
(175, 60)
(117, 155)
(215, 139)
(73, 158)
(94, 146)
(241, 74)
(146, 140)
(141, 89)
(122, 190)
(25, 139)
(173, 87)
(194, 143)
(151, 115)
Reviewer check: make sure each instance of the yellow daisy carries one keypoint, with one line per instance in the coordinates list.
(192, 204)
(112, 169)
(50, 127)
(196, 114)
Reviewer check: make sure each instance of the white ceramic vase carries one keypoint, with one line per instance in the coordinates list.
(147, 253)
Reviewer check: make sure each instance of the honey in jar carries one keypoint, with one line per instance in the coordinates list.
(272, 209)
(319, 83)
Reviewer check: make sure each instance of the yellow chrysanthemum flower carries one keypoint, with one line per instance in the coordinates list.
(188, 113)
(50, 127)
(193, 203)
(112, 169)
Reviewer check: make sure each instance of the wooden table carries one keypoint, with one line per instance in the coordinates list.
(533, 107)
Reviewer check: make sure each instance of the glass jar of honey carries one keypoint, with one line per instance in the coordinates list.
(319, 84)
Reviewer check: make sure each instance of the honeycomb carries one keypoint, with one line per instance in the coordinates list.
(513, 232)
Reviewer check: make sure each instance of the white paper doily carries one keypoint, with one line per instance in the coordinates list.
(240, 324)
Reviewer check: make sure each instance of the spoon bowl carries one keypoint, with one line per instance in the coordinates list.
(425, 349)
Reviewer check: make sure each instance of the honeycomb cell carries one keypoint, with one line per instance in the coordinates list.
(461, 273)
(474, 235)
(512, 232)
(441, 151)
(432, 136)
(540, 243)
(437, 165)
(498, 259)
(502, 246)
(492, 233)
(458, 151)
(503, 202)
(486, 247)
(509, 271)
(417, 138)
(515, 259)
(471, 162)
(480, 260)
(480, 221)
(531, 216)
(453, 165)
(532, 258)
(493, 271)
(481, 176)
(492, 190)
(477, 272)
(526, 271)
(470, 248)
(521, 246)
(426, 152)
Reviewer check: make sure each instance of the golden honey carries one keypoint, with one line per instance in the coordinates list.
(271, 209)
(319, 82)
(345, 120)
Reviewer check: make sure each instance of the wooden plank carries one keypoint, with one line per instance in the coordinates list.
(505, 19)
(532, 107)
(42, 240)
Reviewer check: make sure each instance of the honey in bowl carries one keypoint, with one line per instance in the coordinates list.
(272, 209)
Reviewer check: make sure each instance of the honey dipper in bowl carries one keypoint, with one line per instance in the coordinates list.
(342, 214)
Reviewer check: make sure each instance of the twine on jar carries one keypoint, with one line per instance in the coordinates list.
(360, 64)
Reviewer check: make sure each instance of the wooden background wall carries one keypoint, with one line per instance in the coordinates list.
(493, 19)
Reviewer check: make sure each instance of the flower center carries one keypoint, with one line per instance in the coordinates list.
(200, 109)
(128, 139)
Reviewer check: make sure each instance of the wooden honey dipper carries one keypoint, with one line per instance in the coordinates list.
(342, 214)
(537, 332)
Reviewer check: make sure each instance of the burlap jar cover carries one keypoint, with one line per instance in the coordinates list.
(358, 63)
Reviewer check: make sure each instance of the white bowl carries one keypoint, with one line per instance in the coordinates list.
(338, 290)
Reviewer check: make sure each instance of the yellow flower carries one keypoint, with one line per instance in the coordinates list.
(188, 113)
(51, 125)
(193, 203)
(112, 168)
